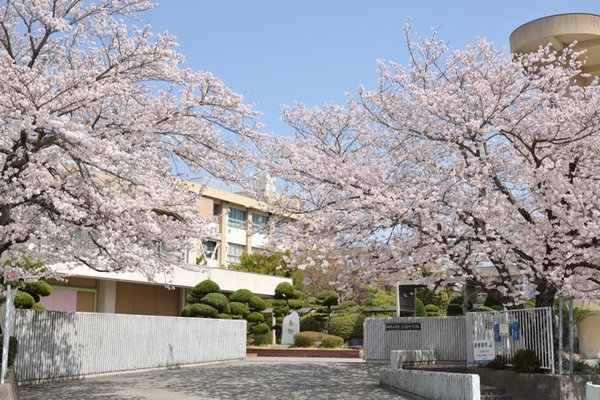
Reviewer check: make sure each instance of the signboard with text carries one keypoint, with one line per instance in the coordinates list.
(403, 326)
(483, 351)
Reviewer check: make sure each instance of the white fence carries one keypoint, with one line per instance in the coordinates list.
(57, 345)
(534, 332)
(433, 385)
(445, 335)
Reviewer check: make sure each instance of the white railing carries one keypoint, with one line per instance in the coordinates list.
(59, 345)
(534, 332)
(445, 335)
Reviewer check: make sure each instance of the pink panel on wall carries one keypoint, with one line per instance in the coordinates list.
(60, 300)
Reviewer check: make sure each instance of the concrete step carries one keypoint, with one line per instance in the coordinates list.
(494, 393)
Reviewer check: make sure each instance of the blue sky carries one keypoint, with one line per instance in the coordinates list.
(314, 51)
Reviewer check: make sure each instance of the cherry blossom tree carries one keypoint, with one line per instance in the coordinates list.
(94, 115)
(478, 164)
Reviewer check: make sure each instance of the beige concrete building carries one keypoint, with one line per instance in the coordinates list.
(239, 227)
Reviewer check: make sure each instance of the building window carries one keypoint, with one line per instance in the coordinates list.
(210, 249)
(259, 221)
(216, 209)
(236, 218)
(234, 252)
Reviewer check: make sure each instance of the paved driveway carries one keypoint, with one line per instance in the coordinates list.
(253, 378)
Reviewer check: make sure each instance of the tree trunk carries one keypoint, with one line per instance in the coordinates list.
(546, 294)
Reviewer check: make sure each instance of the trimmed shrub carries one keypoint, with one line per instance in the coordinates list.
(13, 349)
(261, 340)
(307, 339)
(241, 296)
(332, 342)
(295, 304)
(454, 309)
(238, 310)
(37, 289)
(284, 290)
(309, 322)
(420, 307)
(225, 316)
(499, 362)
(186, 311)
(432, 310)
(24, 300)
(297, 294)
(205, 287)
(260, 329)
(255, 317)
(525, 360)
(38, 307)
(279, 303)
(347, 326)
(327, 298)
(192, 298)
(257, 304)
(216, 300)
(497, 308)
(204, 311)
(311, 339)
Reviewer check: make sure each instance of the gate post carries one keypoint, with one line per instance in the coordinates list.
(469, 338)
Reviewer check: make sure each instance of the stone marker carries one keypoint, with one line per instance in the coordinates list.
(291, 326)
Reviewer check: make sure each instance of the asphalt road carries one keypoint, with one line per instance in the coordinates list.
(252, 378)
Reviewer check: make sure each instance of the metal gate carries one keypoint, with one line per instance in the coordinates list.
(527, 329)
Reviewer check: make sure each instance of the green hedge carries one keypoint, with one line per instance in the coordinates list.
(204, 311)
(284, 290)
(257, 304)
(216, 300)
(24, 300)
(238, 310)
(255, 317)
(205, 287)
(347, 326)
(260, 329)
(241, 296)
(310, 339)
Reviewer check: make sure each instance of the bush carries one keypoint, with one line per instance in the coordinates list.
(420, 308)
(497, 308)
(308, 338)
(38, 307)
(238, 310)
(295, 304)
(279, 303)
(454, 309)
(13, 349)
(347, 326)
(216, 300)
(490, 301)
(432, 310)
(192, 298)
(284, 290)
(257, 304)
(186, 311)
(261, 340)
(204, 311)
(24, 300)
(484, 309)
(255, 317)
(225, 316)
(260, 329)
(332, 342)
(309, 322)
(241, 296)
(526, 360)
(297, 294)
(205, 287)
(311, 339)
(499, 362)
(37, 289)
(327, 298)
